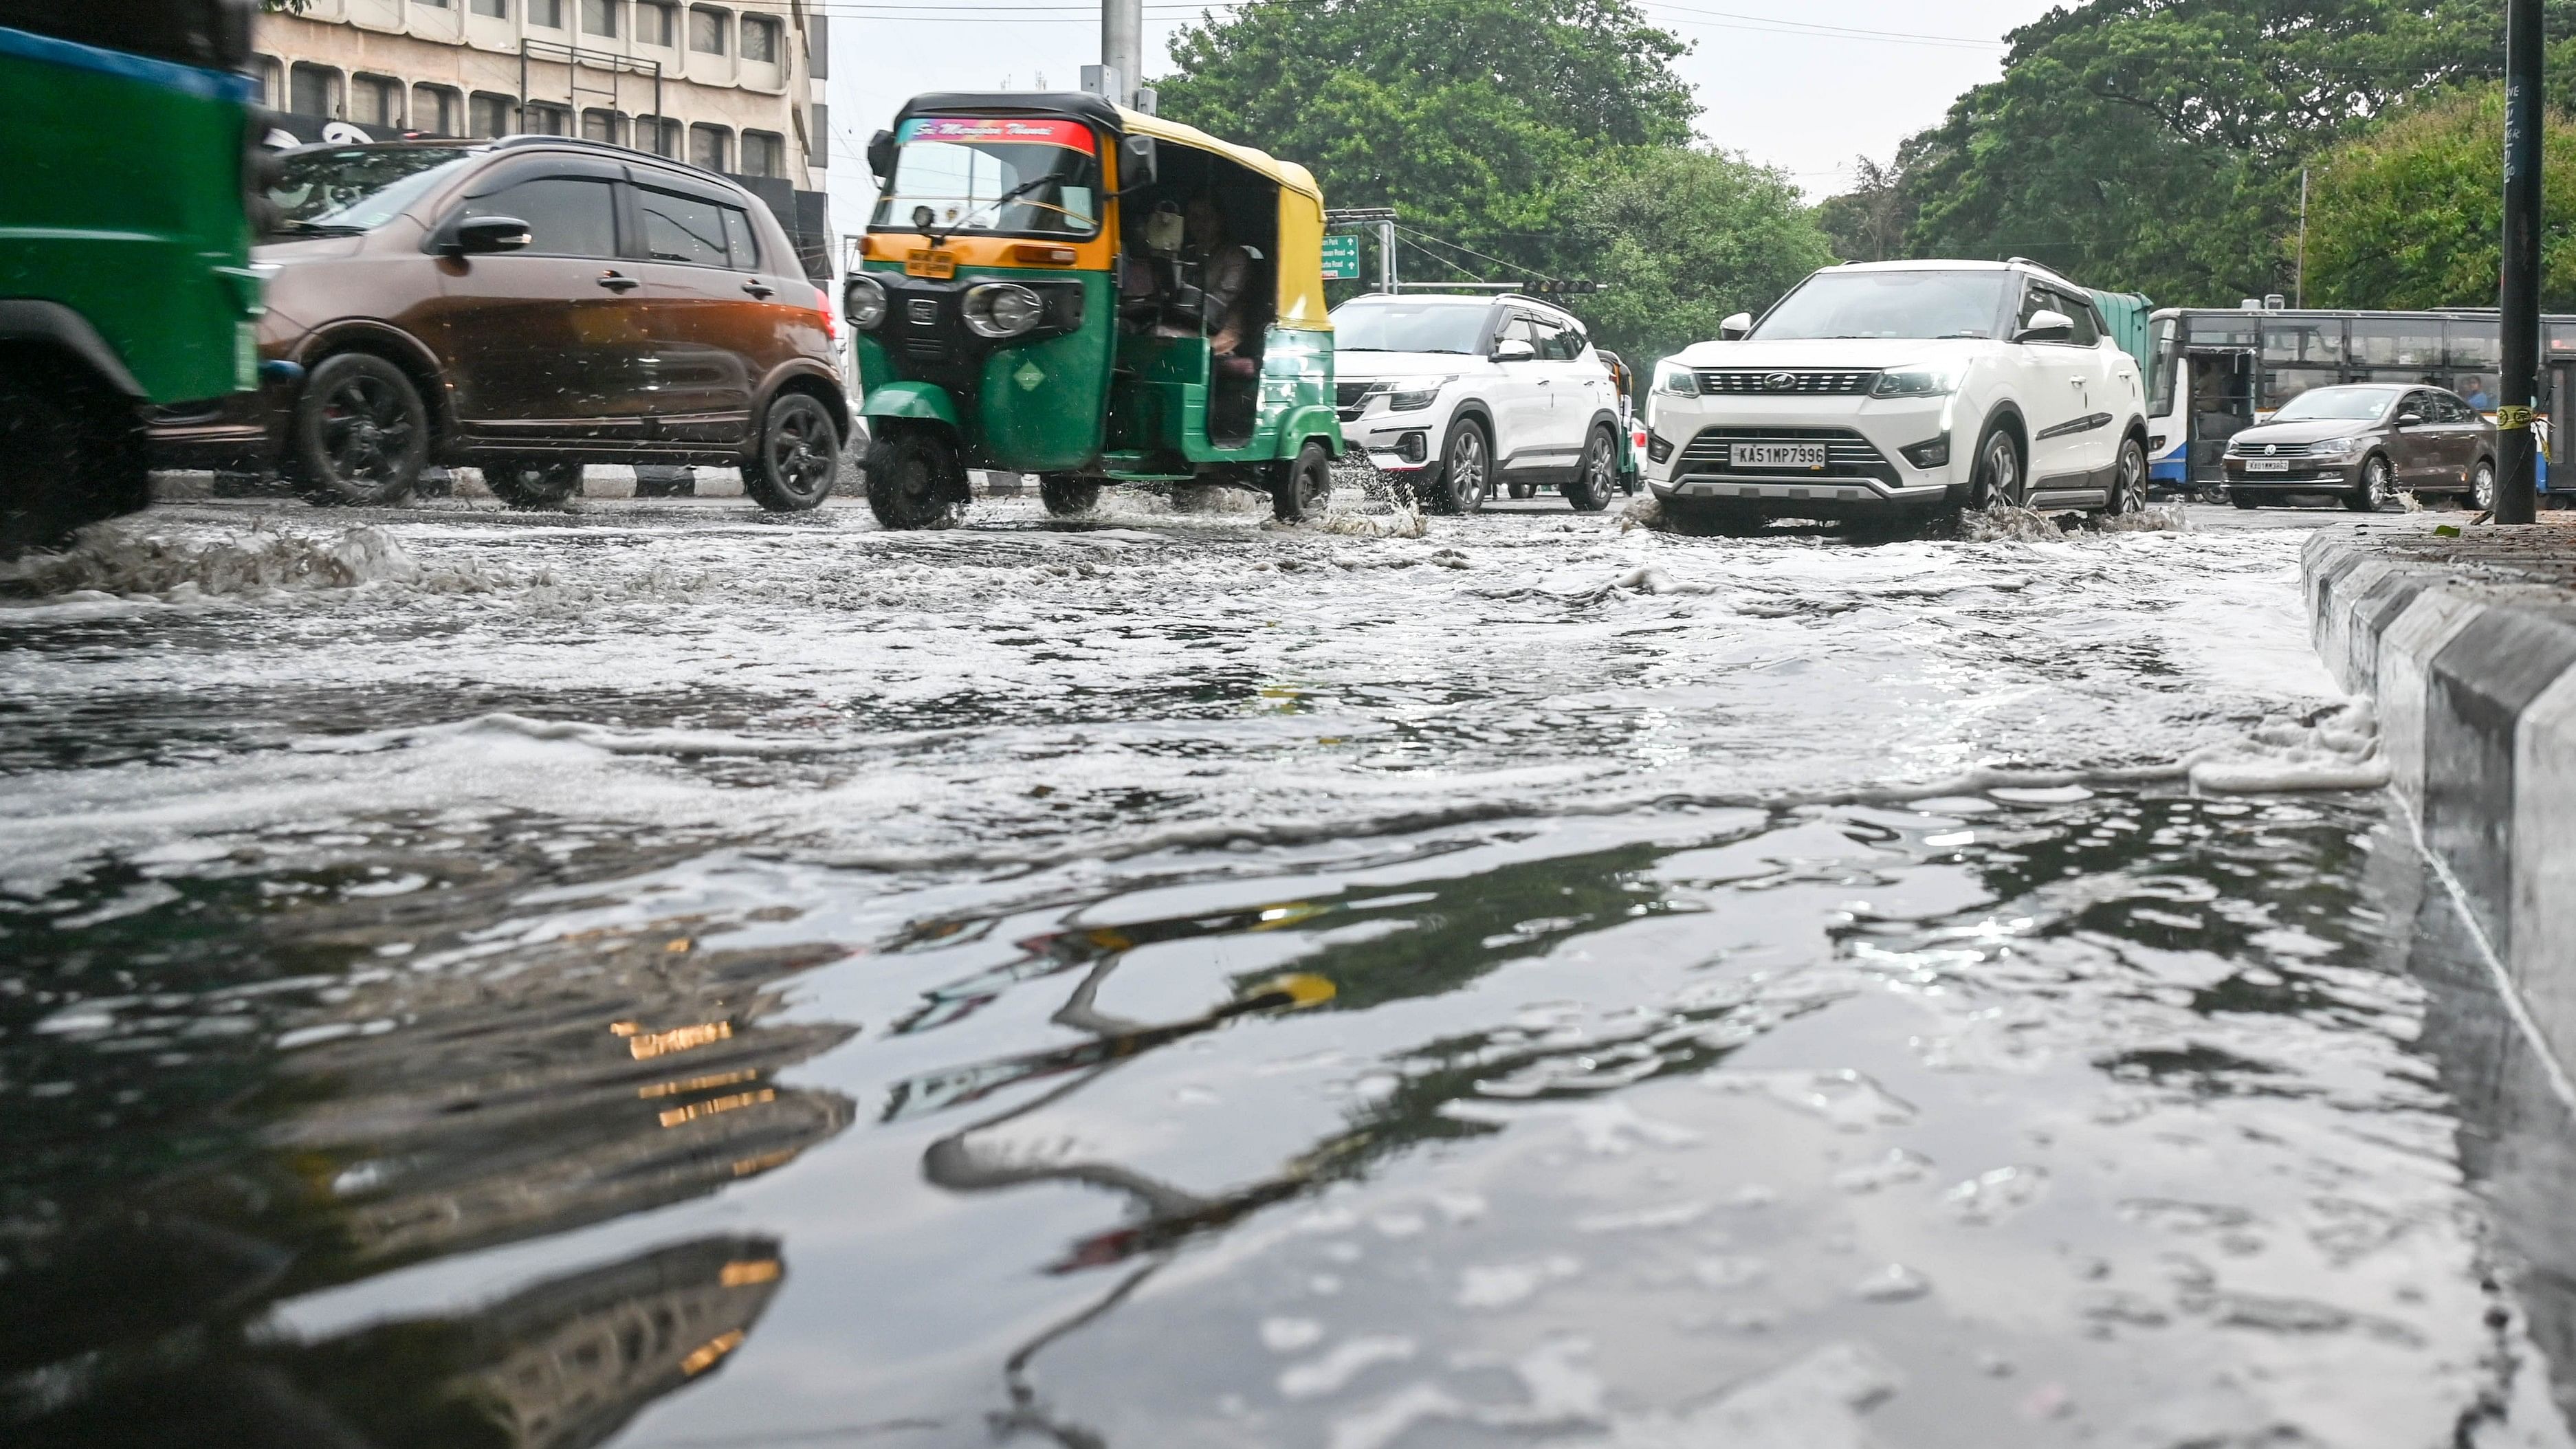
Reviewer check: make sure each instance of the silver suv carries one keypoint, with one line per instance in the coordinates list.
(1461, 393)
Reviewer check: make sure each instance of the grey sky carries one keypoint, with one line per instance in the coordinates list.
(1778, 80)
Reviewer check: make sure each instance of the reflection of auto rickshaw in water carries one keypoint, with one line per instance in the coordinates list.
(1052, 284)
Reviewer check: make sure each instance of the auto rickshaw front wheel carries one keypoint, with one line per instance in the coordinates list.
(915, 479)
(1300, 487)
(1067, 496)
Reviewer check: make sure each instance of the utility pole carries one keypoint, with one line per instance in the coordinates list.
(2299, 289)
(1122, 48)
(1386, 255)
(2517, 489)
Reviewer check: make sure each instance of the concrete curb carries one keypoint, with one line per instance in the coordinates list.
(2469, 646)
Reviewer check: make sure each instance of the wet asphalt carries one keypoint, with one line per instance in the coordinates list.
(663, 975)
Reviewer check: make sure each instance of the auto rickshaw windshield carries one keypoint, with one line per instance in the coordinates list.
(1024, 176)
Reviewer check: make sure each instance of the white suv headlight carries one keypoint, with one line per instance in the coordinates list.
(1674, 380)
(1413, 394)
(1916, 382)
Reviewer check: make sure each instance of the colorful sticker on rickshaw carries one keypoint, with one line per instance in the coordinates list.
(1072, 135)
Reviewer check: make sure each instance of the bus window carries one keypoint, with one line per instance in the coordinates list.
(2305, 341)
(2225, 329)
(2396, 349)
(2470, 357)
(2280, 384)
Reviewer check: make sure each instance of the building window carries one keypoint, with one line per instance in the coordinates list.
(657, 24)
(659, 135)
(271, 76)
(764, 153)
(707, 30)
(548, 13)
(490, 114)
(607, 126)
(760, 40)
(437, 110)
(599, 17)
(438, 4)
(376, 100)
(545, 120)
(711, 147)
(313, 90)
(497, 9)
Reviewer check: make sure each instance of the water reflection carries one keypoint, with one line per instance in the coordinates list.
(210, 1147)
(2059, 1115)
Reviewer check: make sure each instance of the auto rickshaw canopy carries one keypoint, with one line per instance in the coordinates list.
(1299, 265)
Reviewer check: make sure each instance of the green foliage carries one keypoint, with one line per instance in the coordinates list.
(1467, 114)
(1550, 135)
(2154, 145)
(1686, 237)
(1868, 223)
(2410, 214)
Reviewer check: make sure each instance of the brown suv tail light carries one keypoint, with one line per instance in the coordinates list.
(831, 319)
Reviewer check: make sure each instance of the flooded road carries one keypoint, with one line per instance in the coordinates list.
(670, 977)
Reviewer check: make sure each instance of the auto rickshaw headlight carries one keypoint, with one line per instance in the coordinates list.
(864, 303)
(1002, 309)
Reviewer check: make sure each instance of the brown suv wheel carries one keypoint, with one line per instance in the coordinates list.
(360, 433)
(799, 457)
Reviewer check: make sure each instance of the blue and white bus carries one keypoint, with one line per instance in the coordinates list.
(2215, 371)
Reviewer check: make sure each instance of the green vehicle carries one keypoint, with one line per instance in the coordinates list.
(1052, 284)
(125, 277)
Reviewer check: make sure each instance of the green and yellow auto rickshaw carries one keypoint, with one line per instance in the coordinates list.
(1053, 284)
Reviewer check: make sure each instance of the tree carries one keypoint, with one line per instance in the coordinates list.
(2408, 215)
(1468, 115)
(1868, 223)
(2154, 145)
(1686, 237)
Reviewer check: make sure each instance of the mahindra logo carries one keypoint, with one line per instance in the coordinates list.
(1781, 381)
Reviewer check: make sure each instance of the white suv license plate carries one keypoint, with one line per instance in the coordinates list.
(2267, 465)
(1776, 455)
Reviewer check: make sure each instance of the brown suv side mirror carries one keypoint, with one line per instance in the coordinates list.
(2408, 418)
(483, 235)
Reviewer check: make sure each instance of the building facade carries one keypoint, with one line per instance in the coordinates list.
(734, 87)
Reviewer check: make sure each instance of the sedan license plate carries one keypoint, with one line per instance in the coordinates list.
(1776, 455)
(2267, 465)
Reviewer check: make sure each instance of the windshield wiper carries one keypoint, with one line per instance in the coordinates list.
(320, 228)
(940, 238)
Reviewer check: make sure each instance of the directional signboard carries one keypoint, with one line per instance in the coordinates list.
(1341, 259)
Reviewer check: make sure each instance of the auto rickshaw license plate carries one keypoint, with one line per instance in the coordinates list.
(930, 264)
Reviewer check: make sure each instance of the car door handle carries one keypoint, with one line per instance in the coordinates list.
(759, 289)
(616, 282)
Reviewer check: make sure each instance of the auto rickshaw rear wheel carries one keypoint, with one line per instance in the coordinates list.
(69, 456)
(1067, 496)
(915, 479)
(1300, 487)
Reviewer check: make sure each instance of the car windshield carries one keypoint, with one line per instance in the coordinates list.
(350, 189)
(958, 174)
(1913, 303)
(2336, 404)
(1374, 326)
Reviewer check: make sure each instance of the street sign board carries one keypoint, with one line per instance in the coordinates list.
(1341, 259)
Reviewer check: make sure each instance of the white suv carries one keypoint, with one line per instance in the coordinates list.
(1460, 393)
(1897, 389)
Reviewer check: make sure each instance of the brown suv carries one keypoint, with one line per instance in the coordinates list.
(525, 306)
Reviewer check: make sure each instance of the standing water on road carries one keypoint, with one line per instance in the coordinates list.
(683, 979)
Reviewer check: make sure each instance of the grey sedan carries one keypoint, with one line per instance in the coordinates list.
(2365, 443)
